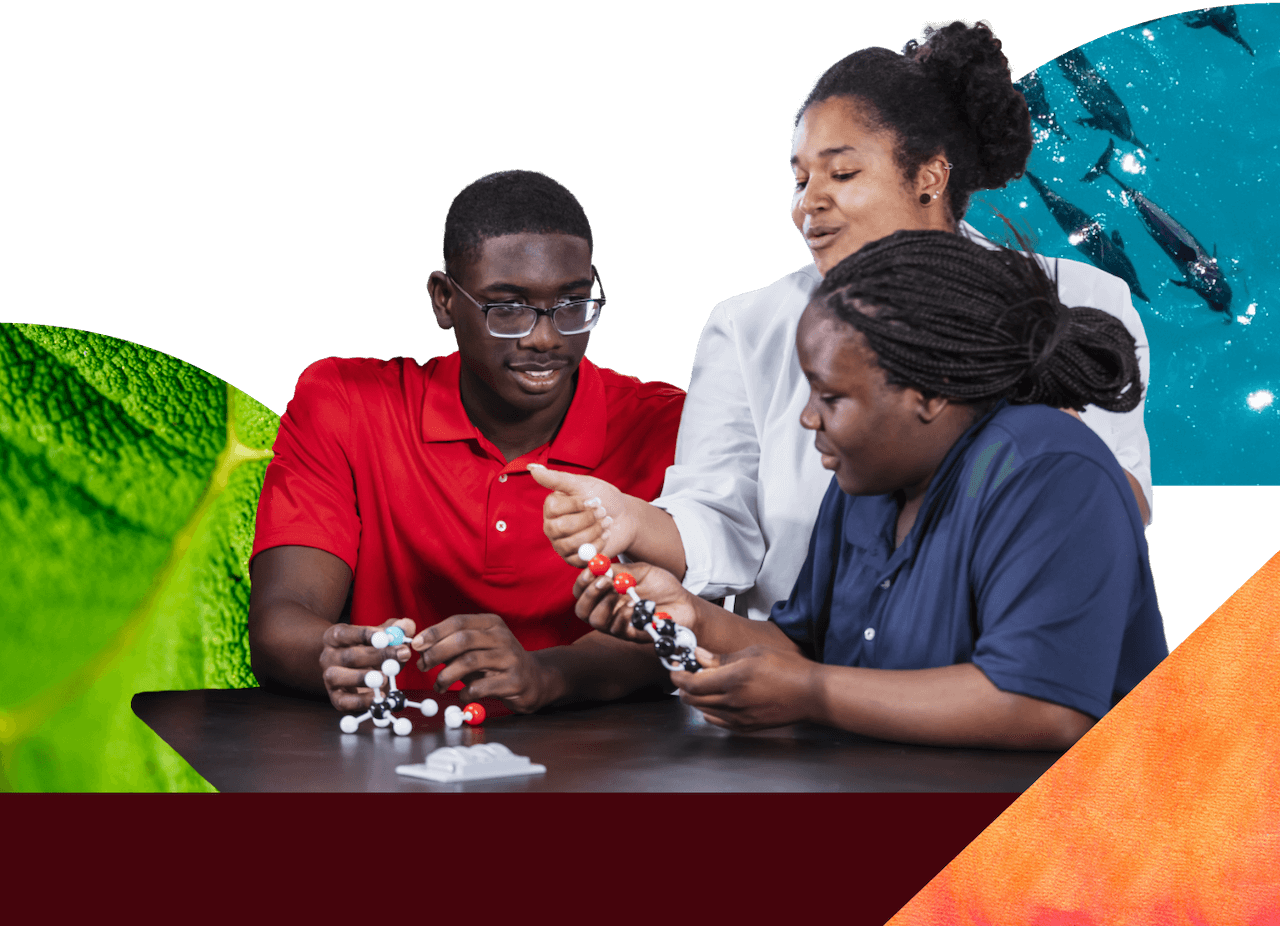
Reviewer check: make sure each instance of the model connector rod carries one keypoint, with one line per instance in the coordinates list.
(674, 643)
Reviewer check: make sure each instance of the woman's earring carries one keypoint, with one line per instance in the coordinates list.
(924, 199)
(935, 195)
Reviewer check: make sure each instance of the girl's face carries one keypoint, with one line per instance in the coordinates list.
(849, 187)
(869, 433)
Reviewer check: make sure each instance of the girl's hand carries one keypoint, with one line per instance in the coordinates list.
(607, 611)
(752, 689)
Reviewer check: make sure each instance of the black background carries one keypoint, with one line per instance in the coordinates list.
(264, 205)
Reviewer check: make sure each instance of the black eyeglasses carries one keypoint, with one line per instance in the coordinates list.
(516, 320)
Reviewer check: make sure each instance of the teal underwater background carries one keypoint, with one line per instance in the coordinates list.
(1209, 111)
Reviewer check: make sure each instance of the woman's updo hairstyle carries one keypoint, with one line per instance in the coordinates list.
(950, 317)
(952, 94)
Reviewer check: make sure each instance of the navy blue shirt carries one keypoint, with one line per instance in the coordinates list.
(1027, 558)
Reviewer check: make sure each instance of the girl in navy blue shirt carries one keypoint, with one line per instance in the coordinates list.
(978, 574)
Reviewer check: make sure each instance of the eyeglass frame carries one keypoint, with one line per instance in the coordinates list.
(486, 306)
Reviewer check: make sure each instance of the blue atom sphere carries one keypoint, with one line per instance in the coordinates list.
(395, 636)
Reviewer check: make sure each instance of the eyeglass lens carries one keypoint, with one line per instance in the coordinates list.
(519, 320)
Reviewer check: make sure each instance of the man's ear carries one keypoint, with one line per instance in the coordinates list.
(442, 293)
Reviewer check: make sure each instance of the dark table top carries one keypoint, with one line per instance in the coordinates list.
(256, 740)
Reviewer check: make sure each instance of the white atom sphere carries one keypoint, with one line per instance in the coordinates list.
(379, 639)
(391, 668)
(586, 552)
(384, 722)
(453, 716)
(373, 679)
(402, 726)
(348, 724)
(429, 708)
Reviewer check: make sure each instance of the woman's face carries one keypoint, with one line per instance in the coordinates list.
(869, 433)
(849, 187)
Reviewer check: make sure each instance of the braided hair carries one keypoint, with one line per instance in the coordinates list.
(953, 94)
(507, 203)
(950, 317)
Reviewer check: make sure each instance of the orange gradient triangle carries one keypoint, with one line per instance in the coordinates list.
(1167, 812)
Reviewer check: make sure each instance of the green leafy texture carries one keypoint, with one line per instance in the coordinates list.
(128, 486)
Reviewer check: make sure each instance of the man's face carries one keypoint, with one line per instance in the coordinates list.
(518, 376)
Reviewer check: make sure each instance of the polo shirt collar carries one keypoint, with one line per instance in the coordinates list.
(579, 442)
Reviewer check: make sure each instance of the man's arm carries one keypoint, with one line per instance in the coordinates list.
(295, 639)
(598, 667)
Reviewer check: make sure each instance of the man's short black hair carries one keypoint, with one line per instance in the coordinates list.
(508, 203)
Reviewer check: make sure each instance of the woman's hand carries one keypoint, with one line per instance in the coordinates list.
(605, 610)
(752, 689)
(583, 509)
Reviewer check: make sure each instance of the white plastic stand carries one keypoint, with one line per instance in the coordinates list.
(471, 763)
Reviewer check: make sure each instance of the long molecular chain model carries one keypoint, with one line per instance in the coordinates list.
(674, 643)
(394, 700)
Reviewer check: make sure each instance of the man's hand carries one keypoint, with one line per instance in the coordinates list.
(481, 651)
(583, 509)
(347, 658)
(610, 613)
(751, 689)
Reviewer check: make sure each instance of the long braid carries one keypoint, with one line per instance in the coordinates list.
(950, 317)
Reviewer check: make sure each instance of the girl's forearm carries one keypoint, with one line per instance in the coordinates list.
(946, 706)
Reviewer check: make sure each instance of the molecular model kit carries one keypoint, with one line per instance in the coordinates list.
(674, 643)
(393, 700)
(449, 764)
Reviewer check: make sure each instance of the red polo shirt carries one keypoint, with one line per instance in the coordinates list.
(377, 463)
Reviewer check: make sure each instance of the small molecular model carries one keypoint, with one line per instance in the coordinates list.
(393, 700)
(455, 716)
(674, 642)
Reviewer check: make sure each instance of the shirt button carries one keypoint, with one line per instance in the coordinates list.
(502, 478)
(885, 584)
(501, 525)
(869, 633)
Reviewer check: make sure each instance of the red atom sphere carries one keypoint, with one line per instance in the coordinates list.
(661, 616)
(598, 564)
(477, 713)
(623, 581)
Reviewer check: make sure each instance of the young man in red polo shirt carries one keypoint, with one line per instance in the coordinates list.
(399, 492)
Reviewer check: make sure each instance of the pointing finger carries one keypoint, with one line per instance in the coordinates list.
(569, 483)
